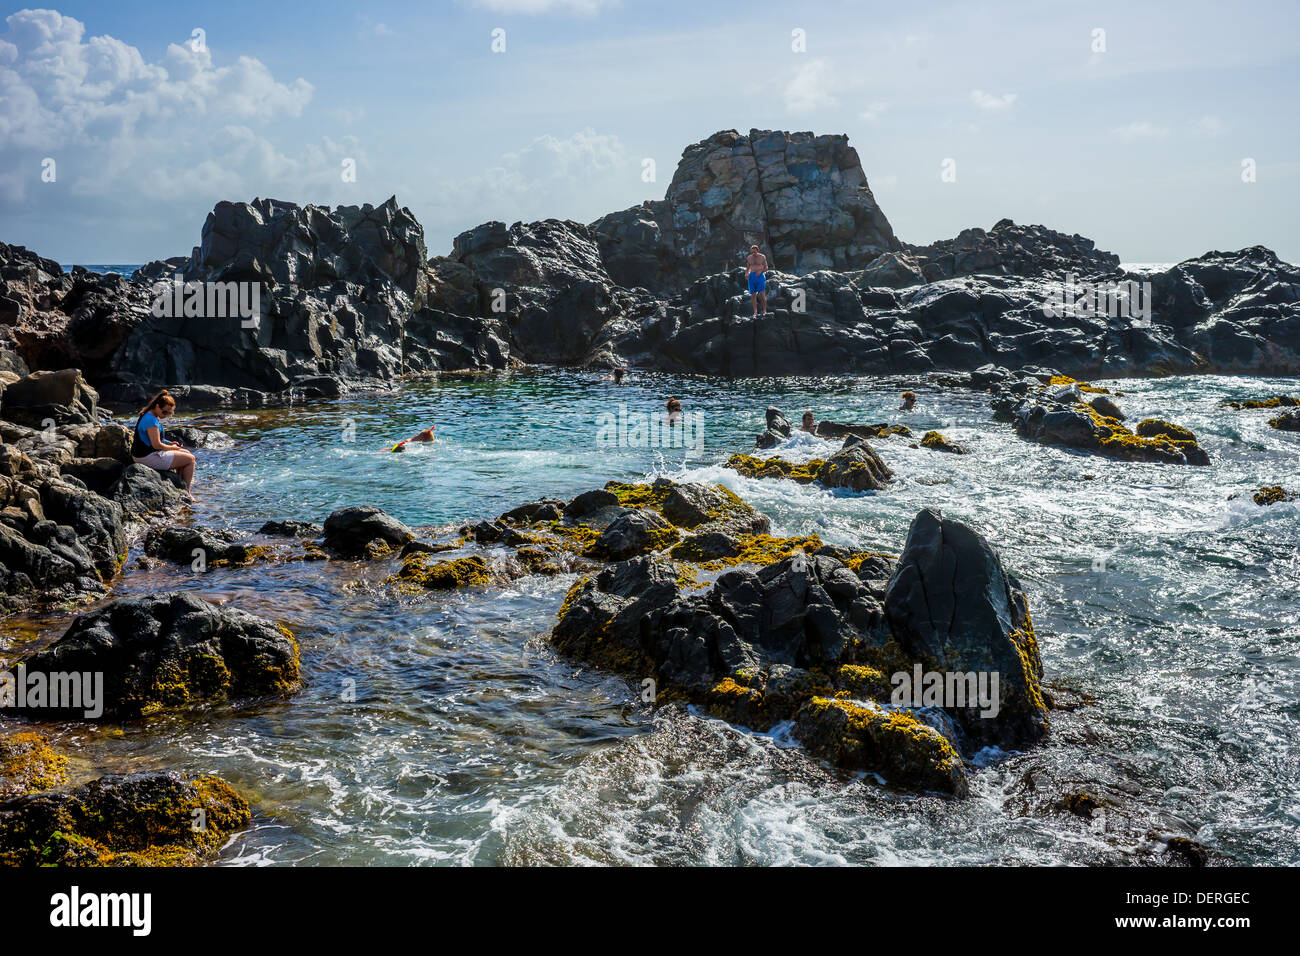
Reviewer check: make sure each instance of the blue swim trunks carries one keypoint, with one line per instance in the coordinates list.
(757, 282)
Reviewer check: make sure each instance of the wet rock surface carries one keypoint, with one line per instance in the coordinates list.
(142, 819)
(169, 651)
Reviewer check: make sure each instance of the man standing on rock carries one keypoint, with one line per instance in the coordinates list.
(756, 269)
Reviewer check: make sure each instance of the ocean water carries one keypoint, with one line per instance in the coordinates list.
(1168, 618)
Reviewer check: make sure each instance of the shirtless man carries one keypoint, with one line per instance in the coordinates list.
(755, 274)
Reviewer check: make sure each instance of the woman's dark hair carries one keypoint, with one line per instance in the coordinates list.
(163, 398)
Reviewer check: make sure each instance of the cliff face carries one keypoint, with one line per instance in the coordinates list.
(803, 199)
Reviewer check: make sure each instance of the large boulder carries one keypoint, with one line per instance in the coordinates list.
(62, 397)
(364, 531)
(954, 608)
(168, 651)
(144, 819)
(143, 491)
(857, 467)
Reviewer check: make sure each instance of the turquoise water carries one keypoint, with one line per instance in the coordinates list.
(1175, 611)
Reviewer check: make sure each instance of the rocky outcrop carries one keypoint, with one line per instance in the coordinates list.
(810, 633)
(1056, 414)
(144, 819)
(348, 300)
(855, 467)
(169, 651)
(364, 531)
(50, 398)
(1010, 250)
(1287, 422)
(953, 607)
(803, 199)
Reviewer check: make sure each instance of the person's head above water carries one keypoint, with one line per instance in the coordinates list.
(160, 405)
(808, 419)
(674, 405)
(618, 374)
(909, 399)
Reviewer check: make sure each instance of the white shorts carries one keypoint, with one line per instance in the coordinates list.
(159, 460)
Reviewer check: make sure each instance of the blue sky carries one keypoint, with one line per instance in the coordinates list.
(1139, 146)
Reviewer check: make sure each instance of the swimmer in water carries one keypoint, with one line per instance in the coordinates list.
(426, 435)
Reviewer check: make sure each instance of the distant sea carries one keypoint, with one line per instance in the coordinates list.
(126, 270)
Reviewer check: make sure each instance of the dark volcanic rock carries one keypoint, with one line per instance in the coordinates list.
(144, 819)
(142, 491)
(1287, 422)
(951, 605)
(633, 533)
(349, 300)
(364, 531)
(292, 529)
(62, 397)
(170, 651)
(209, 546)
(1073, 424)
(778, 427)
(803, 198)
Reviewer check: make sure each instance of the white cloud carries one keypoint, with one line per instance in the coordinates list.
(1138, 130)
(987, 101)
(809, 88)
(872, 112)
(62, 90)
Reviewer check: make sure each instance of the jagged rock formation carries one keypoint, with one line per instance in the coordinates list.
(803, 198)
(347, 299)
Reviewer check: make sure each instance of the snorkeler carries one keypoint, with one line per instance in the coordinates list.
(426, 435)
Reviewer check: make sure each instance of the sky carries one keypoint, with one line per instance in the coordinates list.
(1160, 130)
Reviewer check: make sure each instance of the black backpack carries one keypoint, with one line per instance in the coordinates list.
(138, 448)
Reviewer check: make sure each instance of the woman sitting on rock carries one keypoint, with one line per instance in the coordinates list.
(150, 447)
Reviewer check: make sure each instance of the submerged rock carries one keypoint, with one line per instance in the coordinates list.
(1287, 422)
(169, 651)
(857, 467)
(28, 764)
(892, 743)
(937, 442)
